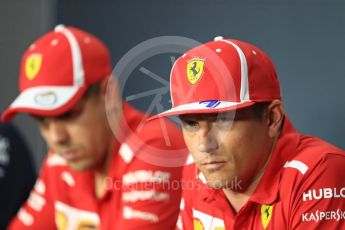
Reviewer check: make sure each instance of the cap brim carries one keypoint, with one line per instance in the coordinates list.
(44, 101)
(197, 107)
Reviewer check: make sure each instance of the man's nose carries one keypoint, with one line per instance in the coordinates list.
(207, 142)
(57, 132)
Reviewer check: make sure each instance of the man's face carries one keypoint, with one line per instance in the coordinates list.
(229, 149)
(81, 136)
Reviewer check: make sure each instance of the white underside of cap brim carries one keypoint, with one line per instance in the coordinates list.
(45, 98)
(203, 107)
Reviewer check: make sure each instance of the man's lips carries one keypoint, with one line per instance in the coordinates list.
(70, 155)
(213, 165)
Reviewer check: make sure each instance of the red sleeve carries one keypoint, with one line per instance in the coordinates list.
(152, 200)
(152, 203)
(38, 211)
(320, 204)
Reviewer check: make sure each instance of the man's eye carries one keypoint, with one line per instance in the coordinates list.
(67, 115)
(70, 114)
(190, 125)
(224, 121)
(39, 119)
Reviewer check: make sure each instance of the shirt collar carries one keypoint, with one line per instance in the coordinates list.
(268, 188)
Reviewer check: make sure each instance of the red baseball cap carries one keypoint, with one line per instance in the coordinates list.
(221, 75)
(57, 69)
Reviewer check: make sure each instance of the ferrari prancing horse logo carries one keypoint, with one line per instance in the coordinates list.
(266, 214)
(33, 65)
(195, 69)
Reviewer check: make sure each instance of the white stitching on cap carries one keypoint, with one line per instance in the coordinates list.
(32, 46)
(78, 71)
(54, 42)
(218, 38)
(244, 94)
(87, 40)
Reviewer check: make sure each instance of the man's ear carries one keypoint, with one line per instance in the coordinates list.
(103, 88)
(274, 116)
(109, 89)
(112, 101)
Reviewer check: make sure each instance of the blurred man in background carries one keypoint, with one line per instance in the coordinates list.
(98, 173)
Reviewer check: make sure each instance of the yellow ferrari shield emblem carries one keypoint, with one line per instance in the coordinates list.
(266, 214)
(198, 225)
(61, 221)
(195, 69)
(33, 65)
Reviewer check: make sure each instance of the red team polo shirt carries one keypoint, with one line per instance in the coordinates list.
(303, 187)
(139, 195)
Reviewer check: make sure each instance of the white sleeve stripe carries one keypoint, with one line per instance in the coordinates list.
(36, 201)
(182, 204)
(300, 166)
(40, 187)
(25, 217)
(179, 224)
(126, 153)
(129, 213)
(134, 196)
(68, 178)
(146, 176)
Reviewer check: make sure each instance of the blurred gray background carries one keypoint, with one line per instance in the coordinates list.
(304, 38)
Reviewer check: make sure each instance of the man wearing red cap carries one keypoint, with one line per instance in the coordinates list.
(252, 169)
(102, 171)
